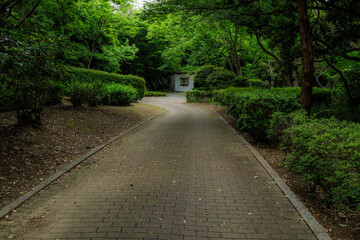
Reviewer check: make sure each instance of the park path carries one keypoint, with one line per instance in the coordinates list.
(184, 175)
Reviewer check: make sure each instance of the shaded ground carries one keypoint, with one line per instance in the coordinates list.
(339, 225)
(29, 155)
(184, 175)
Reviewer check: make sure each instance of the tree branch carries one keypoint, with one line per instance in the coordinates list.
(344, 80)
(265, 50)
(22, 19)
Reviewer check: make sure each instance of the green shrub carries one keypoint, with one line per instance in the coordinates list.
(86, 93)
(326, 153)
(224, 96)
(90, 75)
(54, 93)
(118, 95)
(321, 96)
(252, 108)
(280, 121)
(257, 83)
(201, 75)
(154, 94)
(220, 78)
(240, 82)
(198, 96)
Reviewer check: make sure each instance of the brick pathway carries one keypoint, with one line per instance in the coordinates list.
(185, 175)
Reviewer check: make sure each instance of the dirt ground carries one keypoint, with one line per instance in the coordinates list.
(339, 225)
(29, 155)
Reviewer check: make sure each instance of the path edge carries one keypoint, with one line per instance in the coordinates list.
(310, 220)
(20, 200)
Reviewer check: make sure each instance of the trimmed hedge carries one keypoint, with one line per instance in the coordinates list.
(96, 93)
(118, 95)
(321, 96)
(95, 76)
(155, 94)
(252, 110)
(210, 77)
(198, 96)
(325, 153)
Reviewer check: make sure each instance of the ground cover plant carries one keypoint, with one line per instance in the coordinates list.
(154, 94)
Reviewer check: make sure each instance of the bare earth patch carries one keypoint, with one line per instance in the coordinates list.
(29, 155)
(339, 225)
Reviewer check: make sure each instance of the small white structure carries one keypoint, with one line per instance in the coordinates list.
(182, 81)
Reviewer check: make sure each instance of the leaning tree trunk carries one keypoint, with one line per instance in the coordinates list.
(306, 56)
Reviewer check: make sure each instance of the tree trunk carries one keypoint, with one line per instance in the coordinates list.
(306, 56)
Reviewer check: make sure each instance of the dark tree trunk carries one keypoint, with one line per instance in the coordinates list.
(306, 56)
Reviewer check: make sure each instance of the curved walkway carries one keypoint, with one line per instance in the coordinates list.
(185, 175)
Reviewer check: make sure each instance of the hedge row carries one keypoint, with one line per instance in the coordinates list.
(324, 152)
(252, 110)
(198, 96)
(95, 76)
(252, 107)
(320, 96)
(96, 93)
(155, 94)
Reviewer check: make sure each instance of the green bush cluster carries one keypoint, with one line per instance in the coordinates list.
(210, 77)
(252, 110)
(96, 93)
(118, 95)
(155, 94)
(324, 152)
(198, 96)
(321, 96)
(257, 83)
(95, 76)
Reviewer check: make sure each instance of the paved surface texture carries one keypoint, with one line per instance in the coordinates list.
(185, 175)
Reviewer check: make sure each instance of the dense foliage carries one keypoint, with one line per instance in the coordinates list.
(94, 76)
(100, 93)
(155, 94)
(325, 152)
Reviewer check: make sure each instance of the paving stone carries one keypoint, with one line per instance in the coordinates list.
(185, 175)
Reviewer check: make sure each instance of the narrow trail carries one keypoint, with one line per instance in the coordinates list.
(184, 175)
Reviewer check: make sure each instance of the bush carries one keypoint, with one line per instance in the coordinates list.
(240, 82)
(257, 83)
(201, 75)
(154, 94)
(54, 94)
(252, 108)
(321, 96)
(198, 96)
(224, 96)
(89, 93)
(280, 121)
(118, 95)
(325, 152)
(90, 76)
(220, 78)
